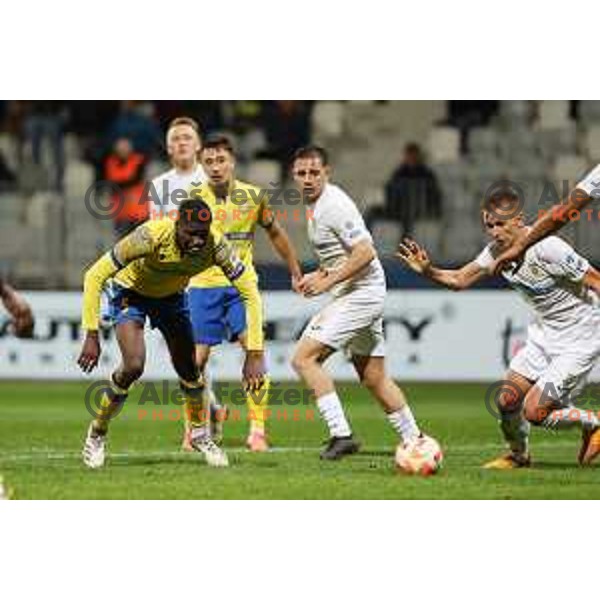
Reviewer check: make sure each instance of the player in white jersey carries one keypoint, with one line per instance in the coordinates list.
(171, 188)
(563, 342)
(353, 319)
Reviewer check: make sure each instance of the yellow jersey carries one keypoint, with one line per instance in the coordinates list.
(235, 217)
(149, 262)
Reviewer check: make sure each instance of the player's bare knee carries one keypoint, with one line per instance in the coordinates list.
(374, 382)
(535, 413)
(300, 362)
(133, 368)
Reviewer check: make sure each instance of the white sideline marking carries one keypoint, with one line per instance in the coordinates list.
(44, 454)
(37, 455)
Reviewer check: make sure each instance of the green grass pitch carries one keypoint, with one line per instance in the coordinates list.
(43, 424)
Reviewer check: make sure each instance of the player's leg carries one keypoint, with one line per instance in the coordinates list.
(175, 327)
(208, 330)
(308, 359)
(372, 374)
(130, 337)
(550, 402)
(257, 401)
(515, 428)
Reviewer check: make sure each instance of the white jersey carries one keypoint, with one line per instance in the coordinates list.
(166, 195)
(550, 279)
(335, 226)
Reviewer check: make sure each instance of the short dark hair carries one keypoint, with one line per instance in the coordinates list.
(195, 210)
(312, 151)
(218, 140)
(501, 198)
(185, 121)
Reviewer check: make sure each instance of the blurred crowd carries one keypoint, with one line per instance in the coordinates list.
(263, 129)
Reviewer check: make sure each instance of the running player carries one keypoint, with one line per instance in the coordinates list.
(216, 308)
(563, 340)
(150, 269)
(353, 319)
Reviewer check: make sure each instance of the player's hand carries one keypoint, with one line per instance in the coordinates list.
(296, 279)
(511, 257)
(254, 370)
(23, 322)
(414, 256)
(90, 352)
(315, 283)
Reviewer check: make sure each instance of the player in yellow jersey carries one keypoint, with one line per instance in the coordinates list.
(150, 269)
(216, 308)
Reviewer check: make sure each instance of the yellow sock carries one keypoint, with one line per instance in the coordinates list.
(196, 407)
(257, 403)
(187, 425)
(111, 403)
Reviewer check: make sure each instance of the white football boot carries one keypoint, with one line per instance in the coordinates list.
(94, 449)
(214, 456)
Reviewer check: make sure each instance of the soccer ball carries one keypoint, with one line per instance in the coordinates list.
(422, 457)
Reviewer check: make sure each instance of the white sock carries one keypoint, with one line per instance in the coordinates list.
(566, 418)
(332, 412)
(404, 423)
(209, 393)
(201, 433)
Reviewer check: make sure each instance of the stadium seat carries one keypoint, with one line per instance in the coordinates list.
(484, 140)
(444, 145)
(386, 235)
(8, 149)
(327, 120)
(554, 142)
(569, 167)
(429, 233)
(553, 114)
(519, 144)
(263, 172)
(589, 111)
(79, 176)
(515, 112)
(457, 195)
(592, 143)
(72, 147)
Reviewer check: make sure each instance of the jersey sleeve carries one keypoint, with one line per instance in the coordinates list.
(233, 267)
(591, 182)
(485, 259)
(348, 225)
(561, 260)
(137, 244)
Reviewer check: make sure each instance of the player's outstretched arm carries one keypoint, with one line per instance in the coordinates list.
(415, 257)
(137, 244)
(283, 246)
(321, 281)
(18, 309)
(554, 219)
